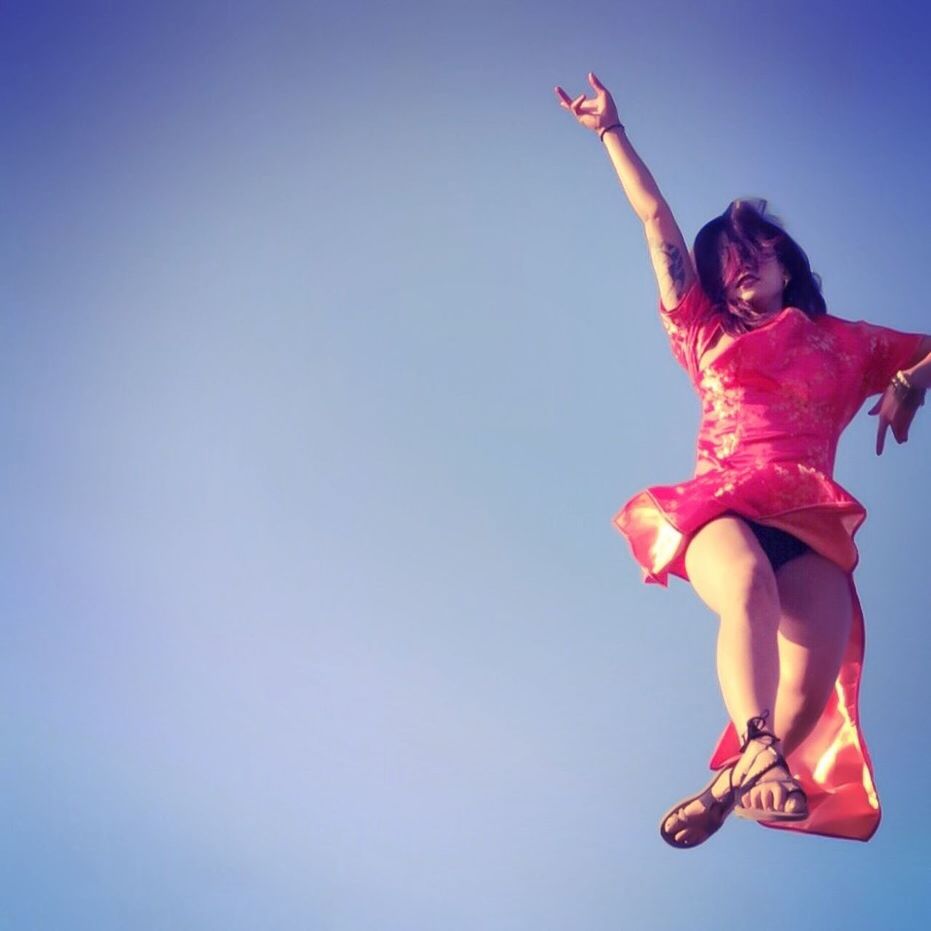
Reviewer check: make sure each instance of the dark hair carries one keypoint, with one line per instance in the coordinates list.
(740, 237)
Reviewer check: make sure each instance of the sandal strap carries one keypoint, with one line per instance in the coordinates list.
(756, 728)
(715, 810)
(750, 780)
(756, 731)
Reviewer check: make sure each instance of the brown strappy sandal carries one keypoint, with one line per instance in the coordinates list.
(765, 758)
(710, 820)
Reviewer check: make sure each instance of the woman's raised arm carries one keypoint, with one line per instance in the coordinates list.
(668, 252)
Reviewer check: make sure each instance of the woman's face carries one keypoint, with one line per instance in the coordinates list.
(760, 286)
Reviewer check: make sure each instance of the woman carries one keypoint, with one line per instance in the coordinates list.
(762, 531)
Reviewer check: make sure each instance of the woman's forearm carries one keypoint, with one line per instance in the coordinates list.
(635, 177)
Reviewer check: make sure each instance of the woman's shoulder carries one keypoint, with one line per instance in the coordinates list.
(835, 323)
(829, 318)
(841, 331)
(855, 328)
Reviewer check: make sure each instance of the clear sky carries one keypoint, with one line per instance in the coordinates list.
(330, 349)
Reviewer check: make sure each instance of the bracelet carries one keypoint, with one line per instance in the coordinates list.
(601, 135)
(905, 391)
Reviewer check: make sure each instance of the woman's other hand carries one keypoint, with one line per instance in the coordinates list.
(893, 413)
(595, 114)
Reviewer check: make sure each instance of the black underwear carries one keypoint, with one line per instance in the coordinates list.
(778, 545)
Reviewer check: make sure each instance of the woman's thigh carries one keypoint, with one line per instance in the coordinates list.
(816, 611)
(727, 566)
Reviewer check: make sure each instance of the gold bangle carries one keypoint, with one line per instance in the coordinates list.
(905, 391)
(900, 384)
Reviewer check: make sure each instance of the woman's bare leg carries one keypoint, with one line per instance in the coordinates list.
(813, 629)
(733, 576)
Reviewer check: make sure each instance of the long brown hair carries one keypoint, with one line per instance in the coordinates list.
(740, 237)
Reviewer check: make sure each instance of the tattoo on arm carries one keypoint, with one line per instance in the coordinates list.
(670, 257)
(675, 264)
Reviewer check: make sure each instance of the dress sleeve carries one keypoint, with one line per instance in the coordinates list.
(684, 324)
(880, 352)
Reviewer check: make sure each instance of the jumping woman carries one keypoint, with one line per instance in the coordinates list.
(762, 531)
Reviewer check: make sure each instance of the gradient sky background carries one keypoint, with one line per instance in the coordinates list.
(330, 349)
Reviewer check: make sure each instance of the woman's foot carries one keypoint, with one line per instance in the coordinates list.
(775, 792)
(693, 820)
(765, 789)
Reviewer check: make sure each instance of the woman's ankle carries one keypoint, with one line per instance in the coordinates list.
(756, 730)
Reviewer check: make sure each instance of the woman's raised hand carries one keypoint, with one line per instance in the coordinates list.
(595, 114)
(893, 413)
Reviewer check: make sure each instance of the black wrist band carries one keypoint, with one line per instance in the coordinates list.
(601, 135)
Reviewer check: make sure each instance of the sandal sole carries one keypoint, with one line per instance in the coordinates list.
(760, 814)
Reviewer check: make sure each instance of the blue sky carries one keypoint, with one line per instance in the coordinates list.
(330, 350)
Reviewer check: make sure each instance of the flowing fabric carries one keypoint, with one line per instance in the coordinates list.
(774, 403)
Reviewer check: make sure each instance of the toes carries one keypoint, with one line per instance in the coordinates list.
(795, 803)
(777, 799)
(773, 797)
(675, 824)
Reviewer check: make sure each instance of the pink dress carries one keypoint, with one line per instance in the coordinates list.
(774, 403)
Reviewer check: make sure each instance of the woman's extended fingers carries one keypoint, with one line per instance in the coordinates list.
(901, 421)
(563, 96)
(882, 426)
(881, 435)
(579, 107)
(565, 99)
